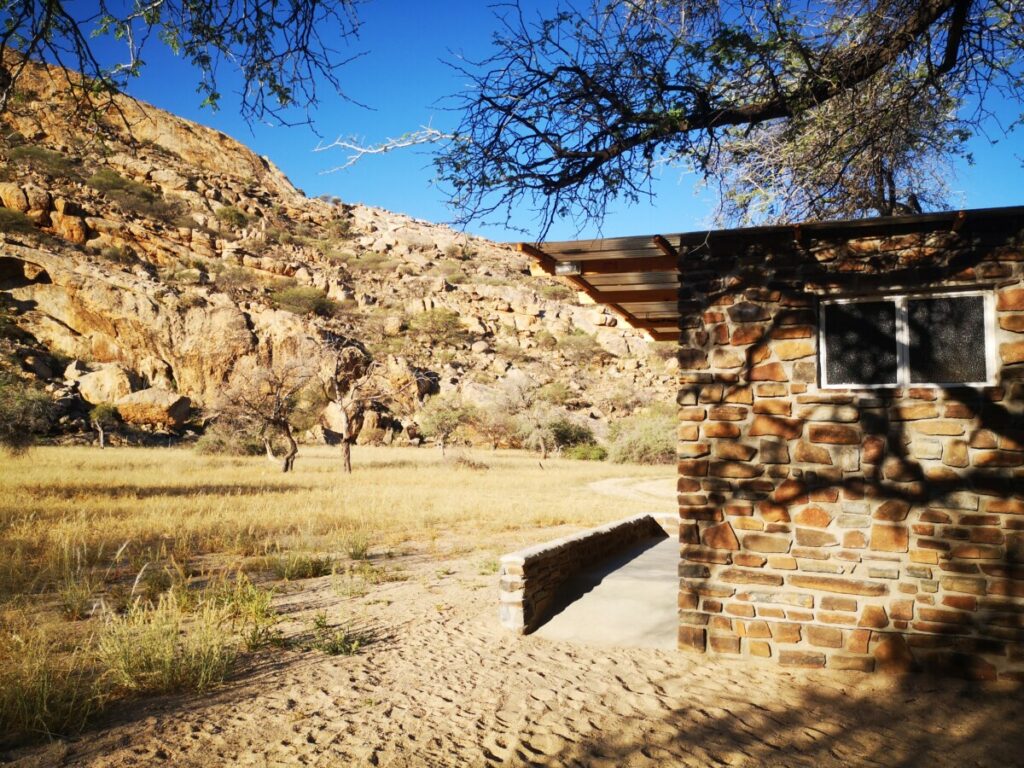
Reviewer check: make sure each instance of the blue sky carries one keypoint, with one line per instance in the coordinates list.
(402, 78)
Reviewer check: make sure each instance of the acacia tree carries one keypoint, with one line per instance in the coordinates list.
(25, 412)
(272, 403)
(103, 418)
(795, 110)
(281, 48)
(443, 417)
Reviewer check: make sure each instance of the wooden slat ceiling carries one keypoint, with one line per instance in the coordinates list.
(637, 277)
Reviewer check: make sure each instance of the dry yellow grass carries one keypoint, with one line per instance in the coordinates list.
(95, 544)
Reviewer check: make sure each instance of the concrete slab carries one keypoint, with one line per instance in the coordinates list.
(626, 602)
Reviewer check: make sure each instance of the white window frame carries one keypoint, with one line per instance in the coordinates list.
(903, 340)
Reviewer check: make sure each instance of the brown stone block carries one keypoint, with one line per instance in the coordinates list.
(693, 468)
(940, 616)
(770, 612)
(812, 454)
(976, 552)
(873, 450)
(901, 470)
(855, 540)
(774, 452)
(1006, 588)
(773, 513)
(774, 407)
(892, 656)
(721, 429)
(689, 533)
(813, 517)
(727, 413)
(688, 432)
(1012, 352)
(838, 585)
(873, 617)
(768, 372)
(794, 349)
(724, 644)
(857, 640)
(748, 560)
(913, 411)
(902, 610)
(785, 632)
(760, 649)
(692, 571)
(748, 524)
(747, 312)
(721, 537)
(833, 603)
(982, 438)
(941, 427)
(890, 538)
(691, 359)
(700, 554)
(923, 556)
(693, 450)
(1005, 506)
(757, 629)
(692, 413)
(687, 485)
(777, 426)
(772, 389)
(893, 510)
(1013, 323)
(998, 459)
(692, 639)
(834, 434)
(757, 542)
(811, 537)
(961, 602)
(850, 663)
(790, 492)
(824, 637)
(808, 659)
(782, 562)
(735, 451)
(739, 395)
(743, 610)
(735, 469)
(740, 576)
(792, 332)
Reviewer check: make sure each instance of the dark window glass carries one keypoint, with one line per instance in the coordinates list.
(860, 342)
(947, 339)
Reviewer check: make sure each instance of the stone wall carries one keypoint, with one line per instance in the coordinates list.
(848, 529)
(530, 578)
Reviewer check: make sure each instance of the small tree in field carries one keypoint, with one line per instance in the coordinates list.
(496, 424)
(443, 417)
(274, 403)
(25, 412)
(104, 418)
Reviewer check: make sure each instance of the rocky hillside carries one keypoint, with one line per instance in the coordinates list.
(148, 259)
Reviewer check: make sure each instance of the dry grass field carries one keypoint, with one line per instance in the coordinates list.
(178, 610)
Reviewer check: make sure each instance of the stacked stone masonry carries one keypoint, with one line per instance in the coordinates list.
(849, 529)
(529, 579)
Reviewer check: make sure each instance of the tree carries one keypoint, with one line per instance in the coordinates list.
(25, 412)
(496, 424)
(443, 416)
(103, 417)
(795, 111)
(275, 402)
(281, 48)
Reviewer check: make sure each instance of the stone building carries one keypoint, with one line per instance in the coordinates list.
(851, 438)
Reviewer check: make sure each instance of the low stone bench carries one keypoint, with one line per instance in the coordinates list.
(530, 578)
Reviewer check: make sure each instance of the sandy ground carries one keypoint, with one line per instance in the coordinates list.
(442, 684)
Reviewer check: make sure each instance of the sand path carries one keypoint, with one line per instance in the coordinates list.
(444, 685)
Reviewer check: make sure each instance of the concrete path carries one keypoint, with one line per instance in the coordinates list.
(626, 602)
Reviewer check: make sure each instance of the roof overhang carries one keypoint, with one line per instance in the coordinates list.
(639, 278)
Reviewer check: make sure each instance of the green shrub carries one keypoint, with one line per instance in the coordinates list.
(148, 650)
(132, 196)
(567, 433)
(25, 413)
(220, 441)
(237, 278)
(644, 438)
(43, 694)
(305, 301)
(580, 349)
(294, 565)
(334, 642)
(44, 161)
(556, 393)
(556, 291)
(591, 452)
(15, 222)
(117, 255)
(438, 326)
(232, 217)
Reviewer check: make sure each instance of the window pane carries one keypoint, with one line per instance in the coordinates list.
(860, 342)
(947, 339)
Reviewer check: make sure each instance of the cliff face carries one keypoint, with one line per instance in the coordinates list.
(175, 253)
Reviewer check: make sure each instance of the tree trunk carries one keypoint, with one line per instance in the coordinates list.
(293, 450)
(442, 446)
(270, 450)
(346, 456)
(103, 436)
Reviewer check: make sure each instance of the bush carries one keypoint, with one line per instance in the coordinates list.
(305, 301)
(218, 440)
(44, 161)
(25, 413)
(146, 650)
(232, 217)
(590, 452)
(568, 433)
(580, 349)
(438, 326)
(15, 222)
(294, 566)
(645, 438)
(133, 196)
(118, 255)
(42, 694)
(237, 278)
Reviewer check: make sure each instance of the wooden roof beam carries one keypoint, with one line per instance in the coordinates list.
(635, 297)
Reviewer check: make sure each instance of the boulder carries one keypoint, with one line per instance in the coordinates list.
(76, 369)
(107, 385)
(154, 407)
(12, 197)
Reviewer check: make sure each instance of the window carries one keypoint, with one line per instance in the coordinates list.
(893, 341)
